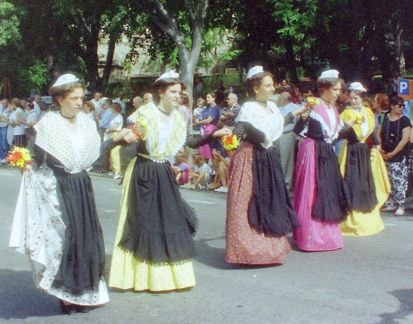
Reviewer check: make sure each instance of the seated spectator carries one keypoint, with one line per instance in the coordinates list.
(220, 165)
(201, 174)
(181, 169)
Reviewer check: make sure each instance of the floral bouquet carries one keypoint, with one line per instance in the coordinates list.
(136, 132)
(229, 142)
(310, 102)
(19, 157)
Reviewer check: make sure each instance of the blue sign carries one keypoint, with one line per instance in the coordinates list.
(404, 87)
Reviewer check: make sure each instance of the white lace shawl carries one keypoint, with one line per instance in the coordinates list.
(53, 136)
(163, 138)
(271, 124)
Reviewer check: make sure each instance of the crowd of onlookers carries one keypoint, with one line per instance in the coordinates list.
(205, 168)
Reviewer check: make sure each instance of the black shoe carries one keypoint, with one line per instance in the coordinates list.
(67, 308)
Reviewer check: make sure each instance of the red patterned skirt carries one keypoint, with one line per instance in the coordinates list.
(244, 245)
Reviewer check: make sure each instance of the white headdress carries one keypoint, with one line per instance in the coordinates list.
(329, 74)
(65, 79)
(357, 86)
(254, 71)
(168, 75)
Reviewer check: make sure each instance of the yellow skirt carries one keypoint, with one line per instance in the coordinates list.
(363, 224)
(128, 272)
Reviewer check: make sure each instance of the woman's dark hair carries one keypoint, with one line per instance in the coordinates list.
(161, 85)
(255, 81)
(396, 101)
(63, 90)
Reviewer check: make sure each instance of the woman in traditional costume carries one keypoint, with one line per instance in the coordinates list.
(320, 195)
(259, 211)
(154, 241)
(362, 167)
(56, 222)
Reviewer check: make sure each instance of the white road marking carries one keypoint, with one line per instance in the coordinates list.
(201, 201)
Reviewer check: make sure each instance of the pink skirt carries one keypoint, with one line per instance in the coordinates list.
(244, 245)
(205, 150)
(312, 235)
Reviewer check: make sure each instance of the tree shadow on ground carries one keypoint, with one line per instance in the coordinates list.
(405, 297)
(20, 299)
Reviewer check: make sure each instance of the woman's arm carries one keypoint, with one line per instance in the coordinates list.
(246, 131)
(205, 121)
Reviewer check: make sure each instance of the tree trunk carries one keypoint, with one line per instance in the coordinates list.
(291, 62)
(109, 61)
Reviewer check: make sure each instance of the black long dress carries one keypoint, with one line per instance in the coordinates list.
(83, 261)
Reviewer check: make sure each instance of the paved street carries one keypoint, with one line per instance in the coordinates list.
(369, 281)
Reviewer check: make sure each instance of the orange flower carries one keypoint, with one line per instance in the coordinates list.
(19, 157)
(135, 131)
(229, 143)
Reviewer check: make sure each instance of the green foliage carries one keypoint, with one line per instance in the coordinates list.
(9, 23)
(38, 75)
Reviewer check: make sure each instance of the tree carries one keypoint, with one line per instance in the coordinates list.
(177, 20)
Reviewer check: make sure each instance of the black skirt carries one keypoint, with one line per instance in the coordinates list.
(83, 260)
(160, 225)
(270, 210)
(359, 178)
(332, 197)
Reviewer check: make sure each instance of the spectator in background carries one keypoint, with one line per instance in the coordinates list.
(208, 122)
(31, 119)
(198, 87)
(220, 165)
(116, 123)
(136, 103)
(89, 110)
(96, 101)
(105, 116)
(393, 132)
(115, 126)
(4, 118)
(201, 174)
(288, 140)
(147, 97)
(37, 101)
(230, 112)
(17, 120)
(197, 113)
(381, 106)
(181, 169)
(121, 102)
